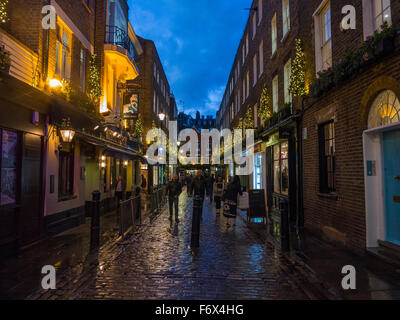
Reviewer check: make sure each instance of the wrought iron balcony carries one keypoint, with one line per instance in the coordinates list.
(118, 37)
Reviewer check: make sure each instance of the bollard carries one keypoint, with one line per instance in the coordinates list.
(197, 210)
(95, 225)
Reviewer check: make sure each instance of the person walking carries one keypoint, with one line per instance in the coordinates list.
(174, 189)
(218, 190)
(199, 188)
(144, 183)
(188, 181)
(120, 188)
(230, 200)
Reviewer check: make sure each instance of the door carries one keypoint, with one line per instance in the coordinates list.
(31, 188)
(391, 152)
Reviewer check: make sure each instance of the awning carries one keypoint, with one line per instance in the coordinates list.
(123, 154)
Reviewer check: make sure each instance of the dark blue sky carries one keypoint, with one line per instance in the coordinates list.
(196, 41)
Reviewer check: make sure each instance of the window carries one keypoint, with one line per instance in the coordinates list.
(254, 24)
(8, 167)
(247, 44)
(83, 70)
(63, 51)
(155, 71)
(260, 10)
(117, 15)
(247, 84)
(244, 91)
(257, 180)
(323, 38)
(261, 55)
(326, 133)
(285, 16)
(243, 53)
(232, 111)
(154, 101)
(385, 110)
(275, 94)
(255, 75)
(281, 168)
(382, 13)
(66, 174)
(274, 34)
(287, 73)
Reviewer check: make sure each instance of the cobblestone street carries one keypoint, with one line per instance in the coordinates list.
(157, 263)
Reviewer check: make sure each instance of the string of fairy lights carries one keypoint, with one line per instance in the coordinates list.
(3, 11)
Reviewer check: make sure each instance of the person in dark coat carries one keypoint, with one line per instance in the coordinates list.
(188, 181)
(199, 188)
(144, 182)
(210, 186)
(230, 200)
(174, 189)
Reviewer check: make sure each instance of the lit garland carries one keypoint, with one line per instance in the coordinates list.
(95, 91)
(3, 11)
(265, 108)
(248, 121)
(297, 84)
(139, 126)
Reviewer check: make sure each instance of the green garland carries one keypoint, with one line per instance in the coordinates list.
(265, 109)
(248, 121)
(297, 84)
(95, 91)
(139, 126)
(3, 11)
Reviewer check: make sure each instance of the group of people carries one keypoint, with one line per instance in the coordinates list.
(206, 187)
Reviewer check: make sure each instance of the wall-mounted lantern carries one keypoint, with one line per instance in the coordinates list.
(67, 133)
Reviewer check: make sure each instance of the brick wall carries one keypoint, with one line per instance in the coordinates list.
(342, 217)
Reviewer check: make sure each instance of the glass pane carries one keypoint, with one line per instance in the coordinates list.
(284, 150)
(8, 186)
(387, 16)
(285, 176)
(277, 177)
(378, 7)
(9, 149)
(276, 152)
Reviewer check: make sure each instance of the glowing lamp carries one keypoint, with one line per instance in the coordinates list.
(54, 83)
(67, 134)
(161, 116)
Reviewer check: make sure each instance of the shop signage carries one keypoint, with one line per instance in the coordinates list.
(371, 168)
(257, 204)
(131, 104)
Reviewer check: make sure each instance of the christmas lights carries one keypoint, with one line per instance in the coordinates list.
(3, 11)
(297, 84)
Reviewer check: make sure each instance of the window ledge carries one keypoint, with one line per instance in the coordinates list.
(332, 195)
(67, 198)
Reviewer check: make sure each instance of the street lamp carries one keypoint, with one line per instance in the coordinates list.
(67, 134)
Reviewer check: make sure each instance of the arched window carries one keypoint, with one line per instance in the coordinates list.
(384, 110)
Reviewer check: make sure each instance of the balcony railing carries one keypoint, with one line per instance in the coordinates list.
(118, 37)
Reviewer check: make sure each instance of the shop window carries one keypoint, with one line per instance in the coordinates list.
(327, 157)
(281, 168)
(385, 110)
(8, 165)
(66, 174)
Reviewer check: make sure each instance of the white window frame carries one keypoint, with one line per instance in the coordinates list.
(320, 42)
(255, 74)
(63, 54)
(247, 84)
(285, 17)
(82, 69)
(369, 17)
(254, 24)
(274, 35)
(287, 72)
(275, 94)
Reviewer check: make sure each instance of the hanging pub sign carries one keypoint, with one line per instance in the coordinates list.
(131, 104)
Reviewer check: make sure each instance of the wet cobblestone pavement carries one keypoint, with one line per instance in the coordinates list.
(157, 263)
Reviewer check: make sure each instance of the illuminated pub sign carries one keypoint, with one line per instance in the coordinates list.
(131, 104)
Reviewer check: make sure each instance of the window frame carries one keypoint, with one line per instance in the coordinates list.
(326, 186)
(70, 158)
(63, 67)
(274, 35)
(285, 17)
(275, 94)
(287, 70)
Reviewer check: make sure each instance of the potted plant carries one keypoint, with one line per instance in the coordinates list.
(384, 40)
(5, 60)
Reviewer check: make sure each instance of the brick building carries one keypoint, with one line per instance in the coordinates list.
(339, 129)
(157, 104)
(349, 152)
(56, 146)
